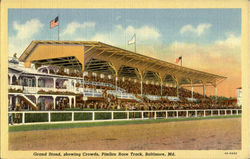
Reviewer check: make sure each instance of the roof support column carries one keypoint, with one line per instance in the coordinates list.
(161, 77)
(115, 66)
(215, 90)
(141, 87)
(11, 75)
(141, 72)
(54, 102)
(177, 85)
(177, 90)
(161, 87)
(216, 95)
(204, 90)
(36, 81)
(192, 91)
(54, 83)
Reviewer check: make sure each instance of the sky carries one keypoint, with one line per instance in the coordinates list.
(207, 39)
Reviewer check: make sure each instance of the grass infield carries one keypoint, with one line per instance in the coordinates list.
(15, 128)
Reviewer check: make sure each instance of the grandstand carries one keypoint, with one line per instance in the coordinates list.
(83, 74)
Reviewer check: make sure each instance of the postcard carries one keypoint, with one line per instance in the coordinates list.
(125, 79)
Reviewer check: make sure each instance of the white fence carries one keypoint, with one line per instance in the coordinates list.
(93, 116)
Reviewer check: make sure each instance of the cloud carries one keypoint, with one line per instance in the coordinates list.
(73, 26)
(144, 33)
(28, 29)
(102, 38)
(118, 17)
(232, 41)
(119, 36)
(218, 57)
(25, 33)
(199, 30)
(223, 57)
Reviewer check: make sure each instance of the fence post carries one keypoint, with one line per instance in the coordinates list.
(212, 113)
(23, 117)
(93, 115)
(231, 112)
(204, 113)
(155, 115)
(187, 113)
(225, 112)
(49, 118)
(195, 113)
(177, 114)
(142, 116)
(237, 111)
(112, 115)
(166, 114)
(219, 112)
(73, 116)
(128, 115)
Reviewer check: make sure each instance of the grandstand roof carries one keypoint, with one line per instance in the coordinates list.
(101, 57)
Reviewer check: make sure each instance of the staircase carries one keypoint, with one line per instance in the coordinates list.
(30, 102)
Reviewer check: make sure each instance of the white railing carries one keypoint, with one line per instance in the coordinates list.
(15, 87)
(31, 90)
(104, 84)
(93, 116)
(153, 97)
(191, 99)
(122, 95)
(173, 98)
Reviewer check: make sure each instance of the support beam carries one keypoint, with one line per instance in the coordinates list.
(177, 85)
(177, 90)
(161, 88)
(11, 79)
(216, 95)
(70, 103)
(54, 83)
(36, 81)
(141, 72)
(54, 102)
(192, 91)
(74, 102)
(141, 87)
(116, 67)
(204, 90)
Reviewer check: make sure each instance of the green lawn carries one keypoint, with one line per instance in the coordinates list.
(14, 128)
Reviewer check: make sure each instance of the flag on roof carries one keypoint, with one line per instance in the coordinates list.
(132, 41)
(54, 22)
(178, 59)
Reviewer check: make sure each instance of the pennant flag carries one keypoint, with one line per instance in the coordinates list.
(132, 41)
(178, 59)
(54, 22)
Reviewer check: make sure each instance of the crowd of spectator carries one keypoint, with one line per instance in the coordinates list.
(111, 102)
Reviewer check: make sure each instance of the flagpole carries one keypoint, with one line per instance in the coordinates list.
(135, 42)
(58, 28)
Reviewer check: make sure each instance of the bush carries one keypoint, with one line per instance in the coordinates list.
(102, 116)
(82, 116)
(118, 115)
(60, 116)
(36, 117)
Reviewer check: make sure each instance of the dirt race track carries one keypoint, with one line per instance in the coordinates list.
(214, 134)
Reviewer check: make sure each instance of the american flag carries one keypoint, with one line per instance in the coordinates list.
(54, 22)
(178, 59)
